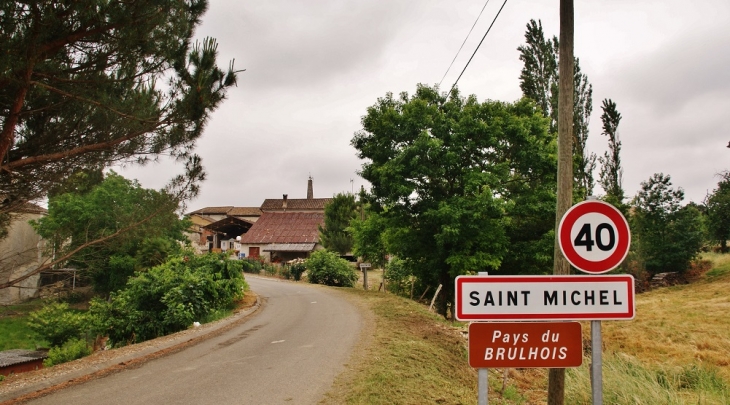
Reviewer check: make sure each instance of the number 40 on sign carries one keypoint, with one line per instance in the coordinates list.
(594, 236)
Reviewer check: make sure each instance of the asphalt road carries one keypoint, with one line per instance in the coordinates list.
(287, 353)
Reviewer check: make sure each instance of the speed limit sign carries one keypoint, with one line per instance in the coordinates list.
(594, 236)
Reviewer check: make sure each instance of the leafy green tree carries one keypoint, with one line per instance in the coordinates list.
(338, 213)
(718, 212)
(539, 82)
(666, 235)
(88, 84)
(369, 231)
(611, 175)
(100, 214)
(445, 173)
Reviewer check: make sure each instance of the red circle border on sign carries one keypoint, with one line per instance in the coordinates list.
(566, 244)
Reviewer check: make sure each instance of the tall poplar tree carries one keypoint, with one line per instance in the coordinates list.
(88, 84)
(611, 174)
(539, 82)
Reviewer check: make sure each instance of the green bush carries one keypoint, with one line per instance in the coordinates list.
(71, 350)
(328, 268)
(398, 276)
(169, 298)
(56, 323)
(252, 266)
(271, 269)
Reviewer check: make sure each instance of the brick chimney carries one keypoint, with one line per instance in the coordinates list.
(310, 192)
(283, 204)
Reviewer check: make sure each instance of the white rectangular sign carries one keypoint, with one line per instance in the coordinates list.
(519, 298)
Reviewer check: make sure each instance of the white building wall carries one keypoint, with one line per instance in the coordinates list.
(20, 252)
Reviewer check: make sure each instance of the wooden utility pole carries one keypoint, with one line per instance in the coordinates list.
(556, 376)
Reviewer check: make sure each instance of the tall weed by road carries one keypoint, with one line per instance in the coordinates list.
(627, 381)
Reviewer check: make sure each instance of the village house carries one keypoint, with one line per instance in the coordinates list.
(21, 251)
(280, 230)
(216, 228)
(287, 229)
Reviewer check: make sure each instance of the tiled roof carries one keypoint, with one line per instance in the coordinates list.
(212, 211)
(285, 227)
(289, 247)
(293, 204)
(244, 212)
(23, 208)
(228, 210)
(31, 208)
(19, 356)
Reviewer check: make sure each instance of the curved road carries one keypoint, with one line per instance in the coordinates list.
(287, 353)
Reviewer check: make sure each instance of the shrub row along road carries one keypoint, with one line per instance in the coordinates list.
(287, 353)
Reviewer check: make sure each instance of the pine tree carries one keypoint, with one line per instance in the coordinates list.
(88, 84)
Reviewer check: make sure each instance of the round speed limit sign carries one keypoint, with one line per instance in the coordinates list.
(594, 236)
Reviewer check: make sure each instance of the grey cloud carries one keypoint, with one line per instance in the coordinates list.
(304, 44)
(681, 72)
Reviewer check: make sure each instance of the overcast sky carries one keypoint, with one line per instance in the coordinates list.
(313, 67)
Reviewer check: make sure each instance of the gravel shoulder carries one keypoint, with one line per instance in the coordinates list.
(19, 388)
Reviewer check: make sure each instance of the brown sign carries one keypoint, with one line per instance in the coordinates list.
(525, 344)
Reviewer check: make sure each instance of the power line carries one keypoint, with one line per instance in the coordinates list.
(480, 44)
(462, 44)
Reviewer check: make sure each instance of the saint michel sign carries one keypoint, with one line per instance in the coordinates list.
(517, 298)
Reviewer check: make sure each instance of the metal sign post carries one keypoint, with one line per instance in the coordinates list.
(596, 363)
(483, 375)
(595, 237)
(364, 268)
(482, 386)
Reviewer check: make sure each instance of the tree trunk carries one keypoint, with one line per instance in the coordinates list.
(556, 378)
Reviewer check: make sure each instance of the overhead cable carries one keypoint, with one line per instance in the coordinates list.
(480, 44)
(462, 44)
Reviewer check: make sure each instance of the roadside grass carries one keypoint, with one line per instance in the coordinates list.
(14, 331)
(676, 351)
(375, 277)
(679, 326)
(630, 381)
(414, 358)
(720, 264)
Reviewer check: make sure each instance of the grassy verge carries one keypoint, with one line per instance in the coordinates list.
(14, 331)
(412, 358)
(676, 351)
